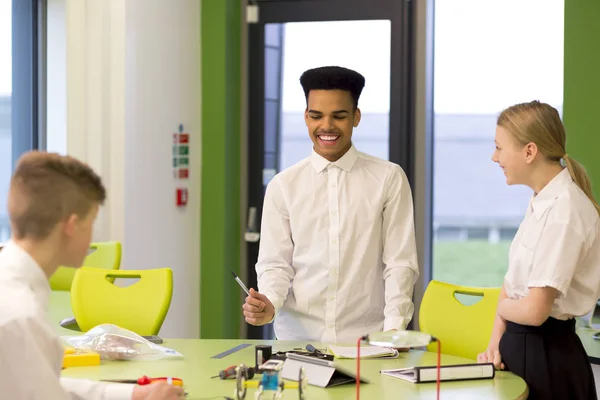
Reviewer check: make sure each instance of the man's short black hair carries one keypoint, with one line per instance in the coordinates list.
(333, 78)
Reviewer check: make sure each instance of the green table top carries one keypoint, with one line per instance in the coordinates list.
(591, 345)
(197, 367)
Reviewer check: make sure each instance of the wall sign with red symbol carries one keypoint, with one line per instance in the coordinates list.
(181, 163)
(181, 154)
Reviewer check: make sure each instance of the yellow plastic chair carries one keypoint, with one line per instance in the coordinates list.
(140, 307)
(105, 255)
(464, 330)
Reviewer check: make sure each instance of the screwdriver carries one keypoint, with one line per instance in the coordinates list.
(230, 372)
(225, 373)
(144, 380)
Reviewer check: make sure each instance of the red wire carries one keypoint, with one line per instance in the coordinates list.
(358, 369)
(439, 357)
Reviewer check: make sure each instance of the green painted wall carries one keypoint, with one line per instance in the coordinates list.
(220, 301)
(582, 85)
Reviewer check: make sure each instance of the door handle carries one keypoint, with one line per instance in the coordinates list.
(251, 235)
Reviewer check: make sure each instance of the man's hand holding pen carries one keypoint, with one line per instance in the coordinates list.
(258, 310)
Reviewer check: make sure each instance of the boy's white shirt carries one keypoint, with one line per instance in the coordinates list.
(338, 254)
(30, 352)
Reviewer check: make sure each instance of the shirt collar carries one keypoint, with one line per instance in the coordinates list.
(544, 199)
(16, 263)
(346, 162)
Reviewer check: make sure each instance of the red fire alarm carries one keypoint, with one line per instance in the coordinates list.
(182, 197)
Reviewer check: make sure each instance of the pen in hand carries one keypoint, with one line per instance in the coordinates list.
(239, 281)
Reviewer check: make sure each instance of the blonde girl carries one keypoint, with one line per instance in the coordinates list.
(554, 260)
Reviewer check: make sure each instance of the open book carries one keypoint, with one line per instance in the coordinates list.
(365, 352)
(458, 372)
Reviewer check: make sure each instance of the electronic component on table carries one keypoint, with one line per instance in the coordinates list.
(271, 381)
(262, 354)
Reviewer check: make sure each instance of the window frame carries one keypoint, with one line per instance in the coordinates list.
(27, 99)
(28, 103)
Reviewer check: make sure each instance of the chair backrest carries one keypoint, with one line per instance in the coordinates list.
(140, 307)
(464, 330)
(105, 255)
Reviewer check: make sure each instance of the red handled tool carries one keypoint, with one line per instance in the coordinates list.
(144, 380)
(230, 372)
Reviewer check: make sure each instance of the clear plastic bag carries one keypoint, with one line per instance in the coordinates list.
(115, 343)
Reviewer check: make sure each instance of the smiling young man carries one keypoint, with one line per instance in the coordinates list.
(337, 256)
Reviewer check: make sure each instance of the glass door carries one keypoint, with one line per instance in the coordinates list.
(291, 37)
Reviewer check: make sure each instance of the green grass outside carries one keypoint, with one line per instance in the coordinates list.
(470, 263)
(475, 263)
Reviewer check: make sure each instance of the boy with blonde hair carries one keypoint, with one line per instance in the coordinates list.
(52, 204)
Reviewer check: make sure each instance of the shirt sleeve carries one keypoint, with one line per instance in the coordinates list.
(399, 252)
(559, 250)
(81, 389)
(274, 266)
(29, 370)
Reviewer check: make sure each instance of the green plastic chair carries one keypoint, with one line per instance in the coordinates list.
(463, 330)
(140, 307)
(105, 255)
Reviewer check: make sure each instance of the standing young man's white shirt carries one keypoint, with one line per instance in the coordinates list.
(30, 353)
(337, 255)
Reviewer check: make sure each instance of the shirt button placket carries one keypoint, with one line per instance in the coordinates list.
(334, 252)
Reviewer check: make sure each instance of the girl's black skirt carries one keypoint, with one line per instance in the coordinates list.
(550, 358)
